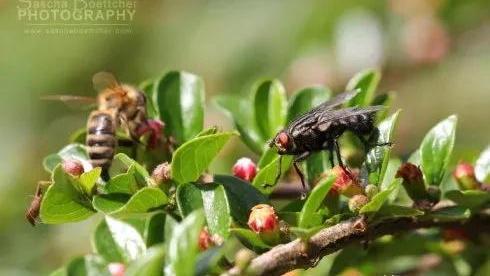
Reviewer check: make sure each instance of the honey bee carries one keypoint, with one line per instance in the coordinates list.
(119, 105)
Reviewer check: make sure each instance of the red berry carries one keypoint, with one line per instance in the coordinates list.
(72, 166)
(116, 269)
(263, 219)
(245, 169)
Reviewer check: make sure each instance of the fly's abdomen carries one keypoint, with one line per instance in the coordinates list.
(101, 139)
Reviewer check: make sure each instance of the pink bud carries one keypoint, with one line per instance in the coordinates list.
(205, 240)
(161, 173)
(154, 128)
(116, 269)
(72, 166)
(465, 176)
(346, 183)
(245, 169)
(413, 181)
(263, 219)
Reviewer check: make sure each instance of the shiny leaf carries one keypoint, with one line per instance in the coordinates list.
(366, 81)
(313, 202)
(436, 149)
(482, 166)
(380, 198)
(180, 102)
(191, 159)
(126, 238)
(265, 180)
(269, 101)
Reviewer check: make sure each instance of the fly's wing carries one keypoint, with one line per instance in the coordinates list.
(104, 80)
(311, 117)
(72, 101)
(345, 113)
(337, 100)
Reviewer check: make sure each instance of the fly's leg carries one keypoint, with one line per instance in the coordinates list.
(296, 160)
(339, 159)
(278, 170)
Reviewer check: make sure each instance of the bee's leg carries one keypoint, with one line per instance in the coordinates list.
(127, 143)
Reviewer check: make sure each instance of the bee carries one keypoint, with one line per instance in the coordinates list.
(119, 105)
(320, 128)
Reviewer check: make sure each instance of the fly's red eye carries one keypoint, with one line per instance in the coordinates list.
(283, 139)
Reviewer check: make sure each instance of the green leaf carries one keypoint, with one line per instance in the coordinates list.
(208, 261)
(64, 201)
(267, 157)
(143, 201)
(89, 179)
(396, 211)
(127, 239)
(216, 210)
(470, 198)
(386, 100)
(452, 213)
(104, 244)
(302, 102)
(380, 198)
(109, 203)
(313, 202)
(141, 174)
(150, 264)
(482, 166)
(89, 265)
(378, 157)
(241, 195)
(189, 198)
(210, 196)
(148, 87)
(436, 149)
(269, 101)
(183, 246)
(154, 228)
(239, 111)
(366, 81)
(265, 179)
(71, 151)
(208, 131)
(124, 183)
(250, 239)
(180, 102)
(191, 159)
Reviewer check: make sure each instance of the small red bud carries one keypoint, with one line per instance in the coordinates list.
(154, 128)
(465, 176)
(116, 269)
(413, 181)
(205, 240)
(263, 219)
(357, 202)
(245, 169)
(73, 167)
(162, 173)
(346, 183)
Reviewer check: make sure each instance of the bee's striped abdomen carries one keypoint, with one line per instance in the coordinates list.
(101, 139)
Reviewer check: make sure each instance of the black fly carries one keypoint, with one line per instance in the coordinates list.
(320, 128)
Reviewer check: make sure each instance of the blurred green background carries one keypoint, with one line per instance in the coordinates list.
(435, 54)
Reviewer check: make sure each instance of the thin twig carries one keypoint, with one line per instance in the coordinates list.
(300, 254)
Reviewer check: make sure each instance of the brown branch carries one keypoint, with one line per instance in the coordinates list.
(300, 254)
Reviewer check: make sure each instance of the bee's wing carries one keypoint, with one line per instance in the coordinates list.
(72, 101)
(104, 80)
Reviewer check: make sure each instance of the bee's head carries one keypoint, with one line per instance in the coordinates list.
(283, 142)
